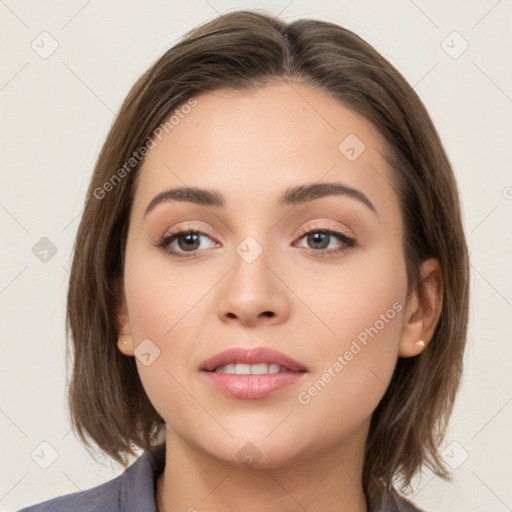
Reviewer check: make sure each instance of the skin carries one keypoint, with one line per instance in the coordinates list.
(250, 147)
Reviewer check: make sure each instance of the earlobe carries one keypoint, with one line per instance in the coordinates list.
(423, 310)
(124, 340)
(125, 344)
(408, 349)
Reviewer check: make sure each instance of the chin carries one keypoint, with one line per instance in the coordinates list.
(257, 453)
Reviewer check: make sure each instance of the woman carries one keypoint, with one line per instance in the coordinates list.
(269, 290)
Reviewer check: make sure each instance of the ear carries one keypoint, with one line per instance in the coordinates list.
(124, 340)
(423, 310)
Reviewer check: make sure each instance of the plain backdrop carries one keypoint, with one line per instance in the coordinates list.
(56, 109)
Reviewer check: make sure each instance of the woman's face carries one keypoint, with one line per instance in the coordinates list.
(260, 271)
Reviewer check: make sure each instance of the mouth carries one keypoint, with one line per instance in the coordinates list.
(252, 369)
(256, 361)
(251, 373)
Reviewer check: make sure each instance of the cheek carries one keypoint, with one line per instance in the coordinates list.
(355, 361)
(354, 297)
(164, 304)
(161, 294)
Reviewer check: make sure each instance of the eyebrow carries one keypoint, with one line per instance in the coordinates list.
(291, 196)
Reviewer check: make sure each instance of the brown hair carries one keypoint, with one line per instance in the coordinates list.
(242, 50)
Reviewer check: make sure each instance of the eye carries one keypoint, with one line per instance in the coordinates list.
(320, 238)
(187, 241)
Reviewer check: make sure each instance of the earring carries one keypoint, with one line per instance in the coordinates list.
(420, 343)
(124, 342)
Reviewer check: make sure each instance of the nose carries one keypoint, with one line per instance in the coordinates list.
(253, 293)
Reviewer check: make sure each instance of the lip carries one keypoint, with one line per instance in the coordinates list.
(251, 356)
(252, 386)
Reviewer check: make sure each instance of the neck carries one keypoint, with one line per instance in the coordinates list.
(194, 481)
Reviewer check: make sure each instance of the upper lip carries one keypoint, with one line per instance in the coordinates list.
(251, 356)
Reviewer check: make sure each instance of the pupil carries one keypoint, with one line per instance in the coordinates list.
(191, 239)
(320, 238)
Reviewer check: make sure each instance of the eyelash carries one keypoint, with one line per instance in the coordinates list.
(167, 239)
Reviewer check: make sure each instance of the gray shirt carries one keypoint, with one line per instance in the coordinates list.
(134, 491)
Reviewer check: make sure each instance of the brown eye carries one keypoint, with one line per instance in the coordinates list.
(318, 241)
(185, 241)
(191, 241)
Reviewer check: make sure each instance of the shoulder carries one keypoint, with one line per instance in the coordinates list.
(131, 490)
(105, 497)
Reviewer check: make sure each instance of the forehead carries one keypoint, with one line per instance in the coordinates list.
(252, 144)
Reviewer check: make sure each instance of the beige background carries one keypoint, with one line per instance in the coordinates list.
(55, 113)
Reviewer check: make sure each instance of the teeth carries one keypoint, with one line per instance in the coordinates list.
(251, 369)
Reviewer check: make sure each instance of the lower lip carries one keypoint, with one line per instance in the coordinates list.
(252, 386)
